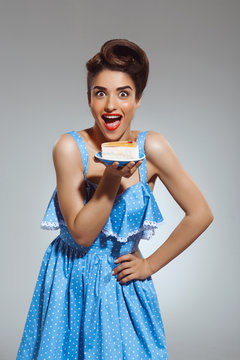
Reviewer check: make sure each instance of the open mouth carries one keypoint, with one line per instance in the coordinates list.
(112, 121)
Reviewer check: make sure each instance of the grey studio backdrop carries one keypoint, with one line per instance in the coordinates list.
(192, 98)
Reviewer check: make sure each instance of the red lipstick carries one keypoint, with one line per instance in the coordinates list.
(111, 120)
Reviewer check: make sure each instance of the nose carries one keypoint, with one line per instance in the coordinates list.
(110, 104)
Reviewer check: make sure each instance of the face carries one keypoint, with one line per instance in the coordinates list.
(113, 103)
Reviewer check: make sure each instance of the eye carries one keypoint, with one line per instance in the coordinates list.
(100, 93)
(123, 94)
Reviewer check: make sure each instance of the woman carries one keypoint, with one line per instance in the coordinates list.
(94, 298)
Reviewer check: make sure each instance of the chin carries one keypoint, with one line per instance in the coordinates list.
(111, 135)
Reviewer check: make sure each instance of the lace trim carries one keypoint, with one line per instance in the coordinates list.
(49, 225)
(148, 230)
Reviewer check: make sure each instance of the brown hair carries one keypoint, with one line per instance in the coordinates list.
(121, 55)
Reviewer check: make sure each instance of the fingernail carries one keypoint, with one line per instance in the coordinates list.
(112, 272)
(116, 261)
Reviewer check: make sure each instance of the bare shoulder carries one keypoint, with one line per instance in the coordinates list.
(66, 151)
(156, 145)
(160, 153)
(64, 144)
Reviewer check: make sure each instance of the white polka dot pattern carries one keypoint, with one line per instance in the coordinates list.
(134, 211)
(79, 310)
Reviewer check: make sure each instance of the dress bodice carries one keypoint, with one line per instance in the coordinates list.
(135, 212)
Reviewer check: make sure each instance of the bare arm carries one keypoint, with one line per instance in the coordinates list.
(185, 191)
(84, 222)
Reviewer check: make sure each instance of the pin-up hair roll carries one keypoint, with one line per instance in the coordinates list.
(121, 55)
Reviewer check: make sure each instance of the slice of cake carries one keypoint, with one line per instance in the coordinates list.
(120, 150)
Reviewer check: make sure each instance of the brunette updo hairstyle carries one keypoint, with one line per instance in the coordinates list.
(121, 55)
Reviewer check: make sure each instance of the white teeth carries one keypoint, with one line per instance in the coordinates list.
(111, 116)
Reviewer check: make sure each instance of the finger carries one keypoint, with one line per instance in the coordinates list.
(126, 279)
(128, 166)
(128, 169)
(114, 165)
(139, 163)
(132, 167)
(116, 269)
(96, 159)
(121, 258)
(124, 273)
(124, 265)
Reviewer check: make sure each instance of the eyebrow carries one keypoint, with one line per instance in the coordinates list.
(119, 88)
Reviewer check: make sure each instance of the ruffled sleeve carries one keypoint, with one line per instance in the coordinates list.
(53, 217)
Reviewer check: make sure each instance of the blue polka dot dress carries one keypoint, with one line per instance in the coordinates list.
(79, 310)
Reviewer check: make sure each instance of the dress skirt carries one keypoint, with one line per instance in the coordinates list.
(80, 311)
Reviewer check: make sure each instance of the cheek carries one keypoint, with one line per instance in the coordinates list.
(128, 107)
(95, 106)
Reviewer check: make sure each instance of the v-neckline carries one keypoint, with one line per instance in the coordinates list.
(94, 184)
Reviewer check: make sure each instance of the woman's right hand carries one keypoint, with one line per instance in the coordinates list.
(124, 171)
(71, 191)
